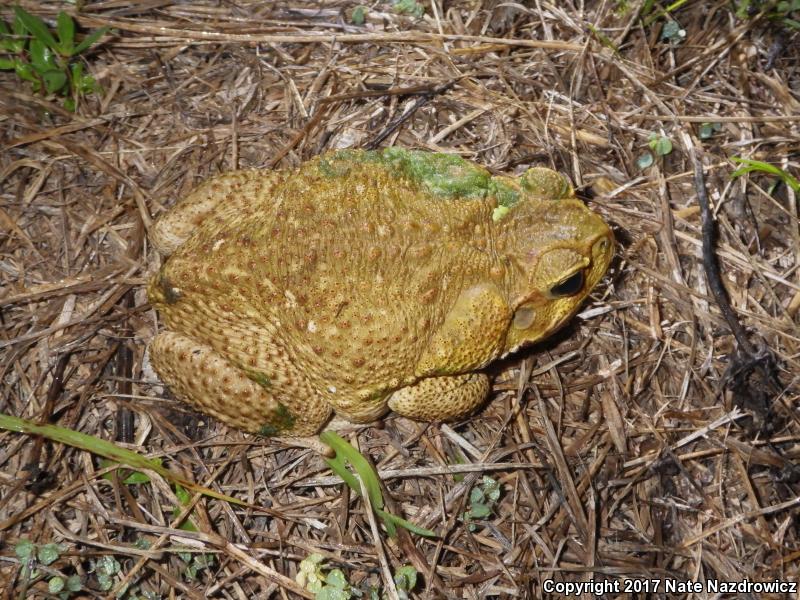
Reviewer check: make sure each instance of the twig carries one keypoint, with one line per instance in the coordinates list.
(310, 124)
(124, 370)
(386, 572)
(752, 370)
(710, 262)
(162, 33)
(412, 90)
(392, 127)
(739, 518)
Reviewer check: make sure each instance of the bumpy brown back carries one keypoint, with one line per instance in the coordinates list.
(350, 273)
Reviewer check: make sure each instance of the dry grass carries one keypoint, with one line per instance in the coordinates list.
(618, 454)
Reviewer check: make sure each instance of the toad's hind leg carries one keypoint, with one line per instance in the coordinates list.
(441, 398)
(234, 193)
(201, 376)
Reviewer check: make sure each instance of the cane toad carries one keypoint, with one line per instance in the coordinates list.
(363, 281)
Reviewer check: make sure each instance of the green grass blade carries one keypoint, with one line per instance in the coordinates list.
(399, 521)
(751, 166)
(675, 6)
(41, 57)
(36, 27)
(754, 165)
(347, 453)
(360, 464)
(89, 40)
(339, 467)
(106, 449)
(18, 27)
(65, 27)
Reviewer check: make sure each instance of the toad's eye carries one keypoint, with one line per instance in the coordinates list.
(569, 287)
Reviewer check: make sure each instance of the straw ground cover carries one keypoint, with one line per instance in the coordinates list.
(624, 448)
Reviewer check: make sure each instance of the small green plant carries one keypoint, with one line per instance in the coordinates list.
(750, 166)
(31, 554)
(673, 32)
(359, 15)
(106, 569)
(196, 563)
(64, 587)
(784, 9)
(659, 144)
(784, 12)
(49, 62)
(707, 130)
(405, 579)
(184, 497)
(409, 7)
(482, 499)
(330, 585)
(645, 160)
(26, 553)
(622, 7)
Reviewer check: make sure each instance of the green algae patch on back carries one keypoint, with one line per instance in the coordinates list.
(506, 191)
(444, 175)
(440, 174)
(340, 163)
(448, 176)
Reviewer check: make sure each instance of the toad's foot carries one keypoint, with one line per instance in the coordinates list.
(441, 398)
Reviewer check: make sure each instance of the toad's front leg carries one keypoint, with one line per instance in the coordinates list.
(441, 398)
